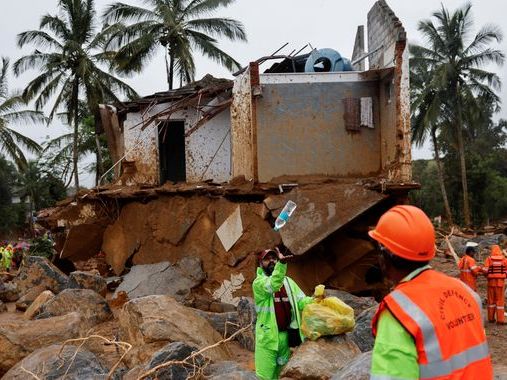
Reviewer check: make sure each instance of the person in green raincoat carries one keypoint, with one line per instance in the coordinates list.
(7, 253)
(279, 302)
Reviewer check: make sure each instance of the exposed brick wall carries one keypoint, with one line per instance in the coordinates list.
(384, 28)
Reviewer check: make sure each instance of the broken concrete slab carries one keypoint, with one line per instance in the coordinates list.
(231, 230)
(163, 278)
(320, 212)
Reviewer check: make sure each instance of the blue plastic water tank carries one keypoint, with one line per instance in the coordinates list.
(326, 60)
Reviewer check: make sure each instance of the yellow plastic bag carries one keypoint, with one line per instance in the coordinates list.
(328, 316)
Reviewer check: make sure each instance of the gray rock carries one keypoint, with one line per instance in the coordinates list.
(362, 334)
(85, 280)
(357, 369)
(222, 322)
(90, 305)
(46, 364)
(173, 351)
(8, 292)
(320, 359)
(26, 300)
(39, 271)
(19, 339)
(228, 370)
(359, 304)
(163, 279)
(246, 316)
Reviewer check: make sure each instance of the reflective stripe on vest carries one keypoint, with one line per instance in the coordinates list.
(455, 362)
(264, 309)
(436, 366)
(431, 344)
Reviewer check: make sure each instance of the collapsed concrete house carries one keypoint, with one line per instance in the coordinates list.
(204, 170)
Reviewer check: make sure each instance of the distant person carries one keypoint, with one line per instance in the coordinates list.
(278, 302)
(468, 268)
(430, 326)
(495, 269)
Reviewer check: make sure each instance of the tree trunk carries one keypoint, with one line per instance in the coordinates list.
(75, 153)
(441, 178)
(461, 150)
(169, 67)
(99, 170)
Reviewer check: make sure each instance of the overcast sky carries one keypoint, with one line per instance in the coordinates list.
(269, 24)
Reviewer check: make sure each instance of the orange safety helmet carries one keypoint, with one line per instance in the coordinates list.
(407, 232)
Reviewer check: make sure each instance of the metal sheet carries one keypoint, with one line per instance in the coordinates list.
(321, 211)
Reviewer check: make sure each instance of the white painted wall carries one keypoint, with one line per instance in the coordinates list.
(207, 150)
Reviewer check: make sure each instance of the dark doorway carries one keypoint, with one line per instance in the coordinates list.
(171, 147)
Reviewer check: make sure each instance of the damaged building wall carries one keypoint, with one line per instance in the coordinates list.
(207, 149)
(242, 126)
(386, 33)
(301, 126)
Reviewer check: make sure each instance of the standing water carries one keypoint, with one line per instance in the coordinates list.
(284, 216)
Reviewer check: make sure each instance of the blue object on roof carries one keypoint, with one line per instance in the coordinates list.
(326, 60)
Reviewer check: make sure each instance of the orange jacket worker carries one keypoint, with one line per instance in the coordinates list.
(495, 269)
(468, 268)
(430, 326)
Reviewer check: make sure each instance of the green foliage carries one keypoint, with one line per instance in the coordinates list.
(180, 27)
(72, 60)
(428, 197)
(12, 215)
(42, 246)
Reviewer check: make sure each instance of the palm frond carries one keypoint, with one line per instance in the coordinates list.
(208, 47)
(218, 27)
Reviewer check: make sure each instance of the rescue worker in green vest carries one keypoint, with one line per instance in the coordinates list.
(278, 302)
(7, 253)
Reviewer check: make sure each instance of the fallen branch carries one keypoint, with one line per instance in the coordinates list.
(185, 362)
(124, 345)
(449, 245)
(30, 373)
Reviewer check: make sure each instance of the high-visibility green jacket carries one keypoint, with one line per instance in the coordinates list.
(266, 328)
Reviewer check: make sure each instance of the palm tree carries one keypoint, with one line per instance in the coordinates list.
(69, 56)
(11, 142)
(426, 104)
(177, 26)
(456, 63)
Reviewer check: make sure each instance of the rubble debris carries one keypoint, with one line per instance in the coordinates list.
(8, 292)
(3, 307)
(174, 351)
(19, 338)
(225, 293)
(163, 279)
(247, 317)
(359, 304)
(357, 369)
(36, 306)
(39, 271)
(362, 334)
(149, 323)
(225, 323)
(228, 370)
(85, 280)
(25, 301)
(49, 363)
(231, 230)
(91, 306)
(320, 359)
